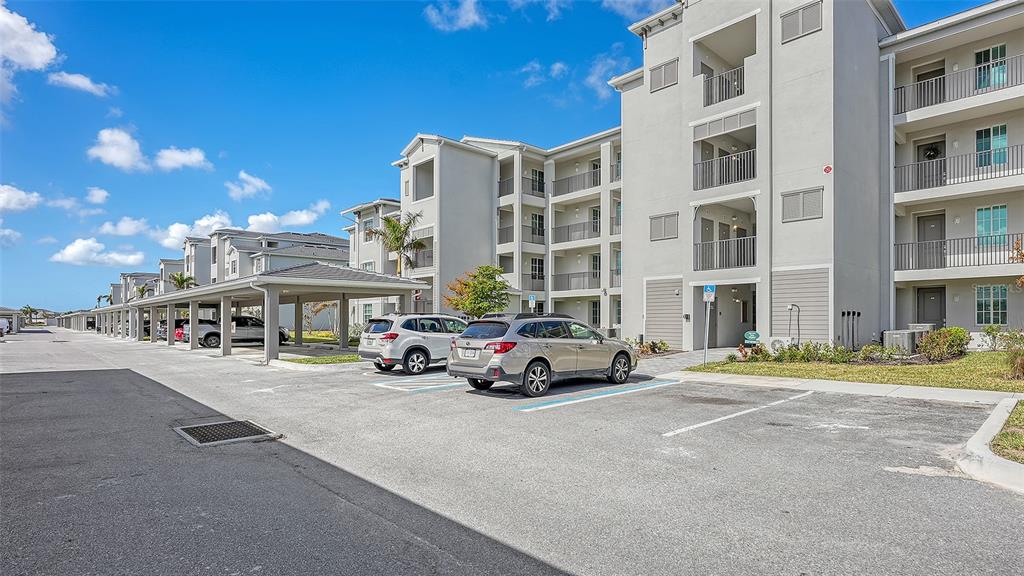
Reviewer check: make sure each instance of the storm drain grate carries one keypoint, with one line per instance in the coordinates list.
(225, 432)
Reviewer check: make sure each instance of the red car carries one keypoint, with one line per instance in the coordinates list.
(179, 334)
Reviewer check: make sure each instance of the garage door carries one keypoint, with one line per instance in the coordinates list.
(664, 311)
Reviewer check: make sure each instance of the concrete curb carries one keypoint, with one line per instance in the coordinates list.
(978, 460)
(337, 368)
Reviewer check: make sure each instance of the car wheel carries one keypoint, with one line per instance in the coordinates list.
(536, 380)
(480, 384)
(211, 341)
(619, 371)
(383, 367)
(415, 362)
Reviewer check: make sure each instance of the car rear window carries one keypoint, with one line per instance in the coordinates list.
(485, 330)
(377, 326)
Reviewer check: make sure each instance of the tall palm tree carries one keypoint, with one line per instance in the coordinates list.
(181, 281)
(29, 311)
(99, 299)
(141, 291)
(395, 233)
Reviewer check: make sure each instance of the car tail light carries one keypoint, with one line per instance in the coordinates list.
(500, 347)
(453, 344)
(388, 336)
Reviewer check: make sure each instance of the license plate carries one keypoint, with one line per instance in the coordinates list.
(469, 354)
(369, 342)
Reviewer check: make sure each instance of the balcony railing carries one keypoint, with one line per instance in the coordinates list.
(992, 250)
(506, 187)
(723, 87)
(533, 234)
(576, 182)
(423, 259)
(963, 168)
(533, 282)
(961, 84)
(723, 254)
(576, 281)
(506, 234)
(725, 170)
(615, 278)
(533, 187)
(616, 226)
(578, 231)
(616, 172)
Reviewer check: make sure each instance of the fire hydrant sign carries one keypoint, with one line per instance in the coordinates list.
(709, 292)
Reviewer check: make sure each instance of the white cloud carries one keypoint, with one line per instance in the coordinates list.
(603, 68)
(174, 235)
(114, 112)
(15, 200)
(558, 69)
(126, 226)
(552, 7)
(23, 48)
(270, 222)
(536, 73)
(174, 158)
(80, 82)
(247, 186)
(96, 195)
(64, 203)
(8, 237)
(462, 15)
(85, 251)
(636, 9)
(47, 240)
(117, 148)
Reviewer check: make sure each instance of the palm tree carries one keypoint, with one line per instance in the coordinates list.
(29, 311)
(99, 299)
(141, 291)
(395, 233)
(181, 281)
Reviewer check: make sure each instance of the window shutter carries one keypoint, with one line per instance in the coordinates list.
(657, 78)
(671, 72)
(812, 204)
(657, 228)
(790, 26)
(791, 207)
(672, 226)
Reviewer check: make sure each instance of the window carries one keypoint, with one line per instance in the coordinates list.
(990, 67)
(801, 22)
(405, 185)
(595, 264)
(454, 326)
(368, 314)
(538, 307)
(581, 332)
(595, 312)
(234, 266)
(214, 254)
(551, 329)
(990, 224)
(618, 311)
(368, 225)
(259, 265)
(665, 226)
(537, 224)
(802, 205)
(485, 330)
(990, 302)
(664, 75)
(537, 180)
(990, 144)
(537, 268)
(374, 326)
(431, 326)
(528, 330)
(368, 266)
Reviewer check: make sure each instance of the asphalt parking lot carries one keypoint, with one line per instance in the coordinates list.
(653, 476)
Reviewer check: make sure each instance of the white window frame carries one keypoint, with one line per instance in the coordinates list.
(818, 189)
(991, 304)
(664, 236)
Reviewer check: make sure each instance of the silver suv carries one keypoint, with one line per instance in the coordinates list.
(244, 329)
(534, 350)
(413, 340)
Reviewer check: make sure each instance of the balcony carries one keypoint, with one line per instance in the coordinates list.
(725, 170)
(615, 224)
(506, 187)
(533, 234)
(533, 282)
(616, 172)
(506, 234)
(576, 182)
(423, 259)
(576, 281)
(962, 84)
(725, 254)
(995, 250)
(615, 277)
(574, 232)
(533, 187)
(723, 87)
(960, 169)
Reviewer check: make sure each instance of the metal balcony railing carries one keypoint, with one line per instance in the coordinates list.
(576, 182)
(578, 231)
(616, 172)
(723, 254)
(533, 282)
(615, 277)
(506, 187)
(534, 234)
(533, 187)
(726, 85)
(423, 259)
(506, 234)
(616, 226)
(725, 170)
(962, 168)
(576, 280)
(961, 84)
(957, 252)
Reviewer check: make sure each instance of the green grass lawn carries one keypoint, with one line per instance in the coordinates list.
(975, 371)
(335, 359)
(1009, 443)
(315, 337)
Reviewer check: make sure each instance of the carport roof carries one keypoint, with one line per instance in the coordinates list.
(323, 271)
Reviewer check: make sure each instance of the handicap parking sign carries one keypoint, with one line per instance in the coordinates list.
(709, 292)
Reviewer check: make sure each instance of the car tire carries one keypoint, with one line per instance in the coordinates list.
(479, 384)
(383, 367)
(619, 370)
(536, 380)
(211, 341)
(415, 361)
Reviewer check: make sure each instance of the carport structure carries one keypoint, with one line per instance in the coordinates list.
(313, 282)
(13, 316)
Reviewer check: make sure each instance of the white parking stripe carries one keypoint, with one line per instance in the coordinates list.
(734, 415)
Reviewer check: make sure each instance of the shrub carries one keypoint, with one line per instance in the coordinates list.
(944, 343)
(1013, 343)
(990, 334)
(744, 353)
(759, 353)
(838, 354)
(879, 353)
(730, 358)
(812, 351)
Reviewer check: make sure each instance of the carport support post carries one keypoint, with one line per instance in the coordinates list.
(154, 319)
(298, 321)
(225, 325)
(343, 322)
(193, 324)
(271, 323)
(140, 319)
(170, 324)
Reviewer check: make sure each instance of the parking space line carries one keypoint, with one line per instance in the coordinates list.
(412, 386)
(595, 396)
(735, 414)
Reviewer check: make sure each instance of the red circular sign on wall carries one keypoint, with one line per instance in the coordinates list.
(827, 169)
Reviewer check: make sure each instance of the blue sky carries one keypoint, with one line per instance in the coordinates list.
(126, 125)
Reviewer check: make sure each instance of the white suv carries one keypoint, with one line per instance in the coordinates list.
(413, 340)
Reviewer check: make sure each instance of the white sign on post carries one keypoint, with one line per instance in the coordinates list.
(533, 301)
(709, 297)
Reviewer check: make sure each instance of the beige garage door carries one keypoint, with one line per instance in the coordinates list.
(664, 311)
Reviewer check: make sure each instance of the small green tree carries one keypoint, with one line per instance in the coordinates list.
(479, 292)
(181, 281)
(140, 291)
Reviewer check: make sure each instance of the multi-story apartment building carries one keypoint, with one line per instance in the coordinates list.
(168, 266)
(197, 259)
(237, 253)
(367, 253)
